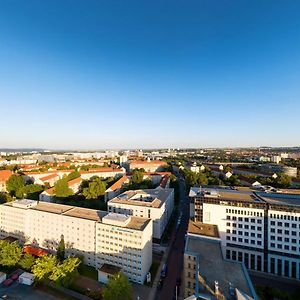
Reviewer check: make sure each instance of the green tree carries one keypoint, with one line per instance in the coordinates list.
(95, 189)
(65, 272)
(137, 176)
(61, 249)
(118, 288)
(44, 266)
(10, 253)
(5, 198)
(61, 188)
(73, 175)
(282, 181)
(14, 184)
(30, 191)
(27, 261)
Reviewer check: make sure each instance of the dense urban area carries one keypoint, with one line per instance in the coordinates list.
(150, 224)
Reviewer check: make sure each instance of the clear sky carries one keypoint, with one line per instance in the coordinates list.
(139, 74)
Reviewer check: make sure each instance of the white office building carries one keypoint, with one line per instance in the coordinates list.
(258, 228)
(99, 237)
(156, 204)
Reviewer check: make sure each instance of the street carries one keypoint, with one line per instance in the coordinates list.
(175, 258)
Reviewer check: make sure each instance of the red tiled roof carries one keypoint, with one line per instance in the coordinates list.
(118, 183)
(151, 162)
(74, 181)
(49, 177)
(98, 170)
(5, 174)
(34, 250)
(49, 172)
(49, 191)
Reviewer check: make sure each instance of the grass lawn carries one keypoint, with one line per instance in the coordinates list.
(88, 271)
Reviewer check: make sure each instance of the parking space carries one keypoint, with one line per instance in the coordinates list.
(18, 291)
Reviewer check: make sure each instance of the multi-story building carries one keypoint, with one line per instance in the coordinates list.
(97, 236)
(156, 204)
(206, 273)
(258, 228)
(148, 165)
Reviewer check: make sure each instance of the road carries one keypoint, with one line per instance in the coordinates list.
(175, 258)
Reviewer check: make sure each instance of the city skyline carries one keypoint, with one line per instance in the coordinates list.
(135, 75)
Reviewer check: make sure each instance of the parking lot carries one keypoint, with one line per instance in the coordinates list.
(18, 291)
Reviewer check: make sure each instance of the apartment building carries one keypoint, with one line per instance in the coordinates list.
(148, 165)
(99, 237)
(206, 273)
(156, 204)
(260, 229)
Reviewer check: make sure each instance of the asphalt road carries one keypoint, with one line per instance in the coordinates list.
(175, 258)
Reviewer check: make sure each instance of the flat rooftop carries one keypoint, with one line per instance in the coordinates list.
(86, 213)
(147, 197)
(109, 269)
(136, 223)
(277, 197)
(203, 229)
(212, 266)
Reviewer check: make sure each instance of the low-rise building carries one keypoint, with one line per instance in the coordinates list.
(148, 165)
(156, 204)
(49, 194)
(207, 274)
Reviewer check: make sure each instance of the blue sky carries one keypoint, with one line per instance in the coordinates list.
(146, 74)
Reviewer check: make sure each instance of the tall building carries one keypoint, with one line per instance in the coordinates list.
(97, 236)
(258, 228)
(156, 204)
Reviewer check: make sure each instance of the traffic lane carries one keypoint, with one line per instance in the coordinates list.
(175, 266)
(175, 260)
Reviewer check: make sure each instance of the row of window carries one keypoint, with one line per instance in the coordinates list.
(251, 261)
(284, 224)
(245, 226)
(285, 247)
(285, 217)
(283, 267)
(241, 219)
(286, 232)
(245, 233)
(241, 240)
(244, 212)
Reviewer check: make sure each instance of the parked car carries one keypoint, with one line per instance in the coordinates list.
(14, 276)
(164, 271)
(7, 282)
(160, 284)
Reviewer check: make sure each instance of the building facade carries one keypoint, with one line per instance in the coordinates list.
(97, 236)
(260, 229)
(156, 204)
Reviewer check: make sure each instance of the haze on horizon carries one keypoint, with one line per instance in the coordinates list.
(159, 74)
